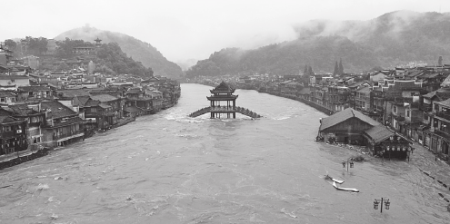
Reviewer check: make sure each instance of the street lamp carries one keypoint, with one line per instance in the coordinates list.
(377, 202)
(388, 149)
(348, 163)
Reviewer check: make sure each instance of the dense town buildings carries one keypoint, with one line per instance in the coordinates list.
(42, 109)
(413, 103)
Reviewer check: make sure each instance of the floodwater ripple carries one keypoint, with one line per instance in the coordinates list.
(169, 168)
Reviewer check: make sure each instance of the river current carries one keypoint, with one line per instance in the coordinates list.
(168, 168)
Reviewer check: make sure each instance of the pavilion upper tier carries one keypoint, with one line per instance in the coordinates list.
(222, 92)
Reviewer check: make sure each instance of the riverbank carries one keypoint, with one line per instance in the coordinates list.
(32, 153)
(328, 111)
(21, 157)
(268, 165)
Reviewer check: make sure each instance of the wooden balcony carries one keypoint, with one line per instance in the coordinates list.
(444, 134)
(443, 115)
(425, 108)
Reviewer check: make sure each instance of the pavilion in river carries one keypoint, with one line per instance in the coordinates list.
(223, 104)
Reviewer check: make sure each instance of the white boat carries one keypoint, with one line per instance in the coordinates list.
(344, 188)
(327, 177)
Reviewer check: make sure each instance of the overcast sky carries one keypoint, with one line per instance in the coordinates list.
(193, 29)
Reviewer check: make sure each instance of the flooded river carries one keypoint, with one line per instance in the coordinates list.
(168, 168)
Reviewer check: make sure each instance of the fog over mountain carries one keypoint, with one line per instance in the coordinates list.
(138, 50)
(389, 40)
(399, 36)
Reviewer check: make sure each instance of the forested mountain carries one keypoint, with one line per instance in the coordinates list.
(108, 58)
(138, 50)
(389, 40)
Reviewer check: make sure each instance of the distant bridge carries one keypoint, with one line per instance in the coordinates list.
(222, 109)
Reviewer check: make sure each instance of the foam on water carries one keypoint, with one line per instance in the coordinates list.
(168, 168)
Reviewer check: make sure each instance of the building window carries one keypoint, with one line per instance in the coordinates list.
(407, 113)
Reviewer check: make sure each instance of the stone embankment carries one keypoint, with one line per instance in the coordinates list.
(20, 157)
(13, 159)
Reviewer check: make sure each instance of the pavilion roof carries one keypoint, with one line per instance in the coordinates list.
(223, 87)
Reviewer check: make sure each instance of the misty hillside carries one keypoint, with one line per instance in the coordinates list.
(389, 40)
(138, 50)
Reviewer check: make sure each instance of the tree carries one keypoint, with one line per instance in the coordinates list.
(341, 68)
(440, 61)
(91, 67)
(149, 72)
(336, 69)
(305, 71)
(10, 44)
(63, 66)
(310, 71)
(35, 46)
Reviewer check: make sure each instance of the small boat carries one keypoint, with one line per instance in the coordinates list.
(344, 188)
(328, 177)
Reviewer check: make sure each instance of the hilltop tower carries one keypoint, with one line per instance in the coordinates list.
(97, 42)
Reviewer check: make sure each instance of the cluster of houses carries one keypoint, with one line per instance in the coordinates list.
(412, 102)
(35, 113)
(42, 109)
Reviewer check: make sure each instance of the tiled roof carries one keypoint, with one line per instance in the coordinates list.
(22, 109)
(7, 119)
(34, 88)
(7, 94)
(430, 94)
(72, 92)
(103, 97)
(379, 133)
(134, 91)
(91, 103)
(57, 109)
(10, 77)
(364, 90)
(445, 102)
(345, 115)
(80, 100)
(223, 87)
(104, 106)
